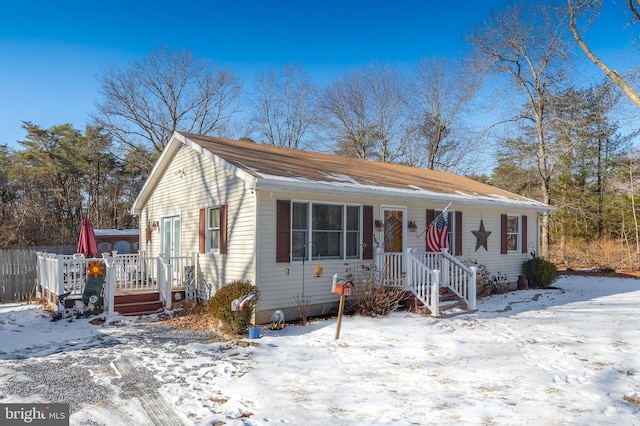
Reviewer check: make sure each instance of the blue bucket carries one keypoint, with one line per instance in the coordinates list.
(254, 332)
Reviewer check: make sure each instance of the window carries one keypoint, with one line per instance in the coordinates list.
(513, 233)
(325, 230)
(213, 229)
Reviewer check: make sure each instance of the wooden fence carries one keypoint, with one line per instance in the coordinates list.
(18, 271)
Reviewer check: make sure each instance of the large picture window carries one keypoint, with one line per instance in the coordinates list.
(326, 230)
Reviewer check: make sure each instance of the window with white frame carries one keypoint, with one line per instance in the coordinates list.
(213, 229)
(513, 233)
(325, 230)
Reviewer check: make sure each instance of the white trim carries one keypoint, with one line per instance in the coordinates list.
(391, 194)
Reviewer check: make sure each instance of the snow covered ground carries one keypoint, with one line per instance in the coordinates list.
(537, 357)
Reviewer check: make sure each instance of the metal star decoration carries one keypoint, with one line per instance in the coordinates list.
(482, 235)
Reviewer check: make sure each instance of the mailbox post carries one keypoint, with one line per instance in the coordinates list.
(343, 288)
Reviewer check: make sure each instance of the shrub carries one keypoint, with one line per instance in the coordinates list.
(487, 284)
(370, 296)
(219, 306)
(539, 272)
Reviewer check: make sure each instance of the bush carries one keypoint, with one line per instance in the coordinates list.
(219, 306)
(370, 296)
(539, 272)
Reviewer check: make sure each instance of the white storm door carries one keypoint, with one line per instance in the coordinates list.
(171, 238)
(394, 244)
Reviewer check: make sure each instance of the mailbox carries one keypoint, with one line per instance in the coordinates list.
(335, 283)
(346, 288)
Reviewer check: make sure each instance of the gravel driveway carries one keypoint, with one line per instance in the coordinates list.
(89, 372)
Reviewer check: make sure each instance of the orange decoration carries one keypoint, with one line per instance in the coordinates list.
(95, 269)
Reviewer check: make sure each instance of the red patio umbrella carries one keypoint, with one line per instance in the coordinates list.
(87, 241)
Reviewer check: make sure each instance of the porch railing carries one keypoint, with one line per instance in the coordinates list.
(426, 272)
(124, 273)
(423, 280)
(460, 278)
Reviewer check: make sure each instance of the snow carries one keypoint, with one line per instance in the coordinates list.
(537, 357)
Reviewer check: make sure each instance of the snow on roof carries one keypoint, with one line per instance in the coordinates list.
(116, 232)
(282, 168)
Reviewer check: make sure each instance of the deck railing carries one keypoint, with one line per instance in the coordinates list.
(124, 273)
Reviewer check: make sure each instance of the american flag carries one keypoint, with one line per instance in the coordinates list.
(436, 239)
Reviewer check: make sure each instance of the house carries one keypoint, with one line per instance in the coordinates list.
(124, 241)
(270, 215)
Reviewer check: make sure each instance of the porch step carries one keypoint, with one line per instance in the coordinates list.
(131, 304)
(449, 305)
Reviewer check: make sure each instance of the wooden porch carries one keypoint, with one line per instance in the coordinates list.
(133, 284)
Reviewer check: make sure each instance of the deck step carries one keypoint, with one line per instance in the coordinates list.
(138, 303)
(138, 313)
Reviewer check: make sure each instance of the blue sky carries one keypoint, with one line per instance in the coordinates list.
(51, 54)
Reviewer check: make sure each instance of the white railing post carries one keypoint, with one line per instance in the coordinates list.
(409, 273)
(472, 289)
(110, 281)
(160, 277)
(60, 274)
(445, 268)
(168, 285)
(196, 274)
(435, 294)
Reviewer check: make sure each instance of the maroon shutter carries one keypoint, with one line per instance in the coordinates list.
(202, 235)
(431, 215)
(223, 229)
(458, 233)
(367, 232)
(503, 234)
(283, 230)
(523, 222)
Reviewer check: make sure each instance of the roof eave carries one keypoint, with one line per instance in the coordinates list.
(284, 185)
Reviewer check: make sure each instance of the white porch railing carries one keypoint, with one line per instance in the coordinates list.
(425, 272)
(460, 278)
(124, 273)
(391, 269)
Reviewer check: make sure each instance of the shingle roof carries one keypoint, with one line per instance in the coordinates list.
(269, 162)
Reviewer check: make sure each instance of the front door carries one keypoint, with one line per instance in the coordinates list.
(171, 240)
(394, 245)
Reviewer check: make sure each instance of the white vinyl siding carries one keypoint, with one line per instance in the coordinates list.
(184, 189)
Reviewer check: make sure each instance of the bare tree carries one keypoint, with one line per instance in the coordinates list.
(169, 90)
(284, 106)
(367, 113)
(440, 91)
(524, 41)
(589, 10)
